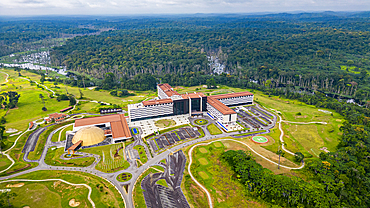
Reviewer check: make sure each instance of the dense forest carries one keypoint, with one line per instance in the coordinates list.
(321, 59)
(314, 52)
(337, 179)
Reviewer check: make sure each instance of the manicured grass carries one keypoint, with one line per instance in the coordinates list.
(215, 176)
(165, 123)
(36, 154)
(123, 177)
(17, 155)
(109, 162)
(203, 174)
(103, 193)
(201, 132)
(203, 150)
(141, 150)
(213, 129)
(87, 107)
(47, 194)
(162, 182)
(203, 161)
(201, 121)
(53, 158)
(62, 135)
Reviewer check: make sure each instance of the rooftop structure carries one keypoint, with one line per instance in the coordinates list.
(89, 136)
(157, 102)
(116, 123)
(220, 106)
(171, 103)
(168, 90)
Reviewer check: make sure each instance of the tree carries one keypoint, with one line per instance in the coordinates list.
(43, 101)
(72, 100)
(81, 94)
(211, 83)
(299, 157)
(280, 153)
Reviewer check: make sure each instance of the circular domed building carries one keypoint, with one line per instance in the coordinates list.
(89, 135)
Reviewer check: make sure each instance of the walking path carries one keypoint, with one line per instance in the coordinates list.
(6, 78)
(56, 179)
(8, 156)
(39, 84)
(202, 144)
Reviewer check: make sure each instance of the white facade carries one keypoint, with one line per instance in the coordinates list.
(237, 100)
(225, 119)
(161, 93)
(139, 111)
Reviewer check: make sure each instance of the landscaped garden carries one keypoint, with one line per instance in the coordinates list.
(165, 123)
(206, 168)
(53, 158)
(59, 194)
(112, 157)
(201, 121)
(143, 158)
(213, 129)
(123, 177)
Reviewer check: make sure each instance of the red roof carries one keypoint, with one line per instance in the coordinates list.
(231, 95)
(220, 106)
(168, 89)
(118, 124)
(192, 95)
(57, 115)
(31, 125)
(74, 146)
(157, 102)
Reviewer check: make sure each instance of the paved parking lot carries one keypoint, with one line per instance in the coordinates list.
(167, 139)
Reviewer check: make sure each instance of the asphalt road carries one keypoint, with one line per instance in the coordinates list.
(111, 177)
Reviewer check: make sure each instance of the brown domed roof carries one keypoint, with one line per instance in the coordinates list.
(89, 135)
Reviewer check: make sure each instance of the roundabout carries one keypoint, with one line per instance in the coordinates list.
(260, 139)
(201, 121)
(123, 177)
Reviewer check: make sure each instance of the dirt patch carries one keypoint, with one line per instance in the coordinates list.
(26, 207)
(300, 116)
(217, 144)
(203, 161)
(203, 175)
(338, 120)
(74, 203)
(15, 185)
(203, 150)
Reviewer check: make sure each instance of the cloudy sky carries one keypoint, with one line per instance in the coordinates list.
(125, 7)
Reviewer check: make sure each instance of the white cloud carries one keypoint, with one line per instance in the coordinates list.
(37, 7)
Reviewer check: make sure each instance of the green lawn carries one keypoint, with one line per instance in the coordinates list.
(62, 135)
(213, 129)
(123, 177)
(36, 154)
(103, 193)
(225, 191)
(165, 123)
(53, 158)
(109, 161)
(17, 155)
(141, 150)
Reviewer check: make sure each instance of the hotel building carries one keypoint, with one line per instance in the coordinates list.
(171, 103)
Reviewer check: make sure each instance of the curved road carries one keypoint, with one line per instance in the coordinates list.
(136, 172)
(82, 184)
